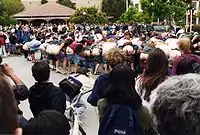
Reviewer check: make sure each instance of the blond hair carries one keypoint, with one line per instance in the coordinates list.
(115, 56)
(184, 44)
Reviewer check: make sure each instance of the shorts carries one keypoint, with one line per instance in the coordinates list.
(100, 59)
(52, 57)
(32, 52)
(73, 58)
(60, 56)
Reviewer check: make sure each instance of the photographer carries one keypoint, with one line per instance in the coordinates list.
(19, 88)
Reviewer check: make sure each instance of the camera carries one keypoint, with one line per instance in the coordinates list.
(1, 66)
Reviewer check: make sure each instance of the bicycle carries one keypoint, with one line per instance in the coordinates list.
(75, 122)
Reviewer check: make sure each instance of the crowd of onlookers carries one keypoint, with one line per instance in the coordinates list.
(150, 85)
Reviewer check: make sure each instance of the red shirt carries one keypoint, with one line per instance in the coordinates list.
(73, 46)
(183, 63)
(2, 40)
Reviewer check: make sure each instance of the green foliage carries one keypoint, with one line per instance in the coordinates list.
(11, 7)
(44, 1)
(6, 20)
(67, 3)
(132, 15)
(196, 28)
(114, 8)
(91, 16)
(198, 14)
(163, 9)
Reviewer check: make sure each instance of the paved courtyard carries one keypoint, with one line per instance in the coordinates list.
(22, 68)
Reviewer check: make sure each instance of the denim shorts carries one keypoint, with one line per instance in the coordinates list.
(60, 56)
(74, 58)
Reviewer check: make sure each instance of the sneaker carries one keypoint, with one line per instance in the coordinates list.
(51, 67)
(66, 71)
(60, 70)
(29, 58)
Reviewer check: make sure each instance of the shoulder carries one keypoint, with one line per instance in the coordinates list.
(56, 91)
(103, 76)
(179, 58)
(32, 88)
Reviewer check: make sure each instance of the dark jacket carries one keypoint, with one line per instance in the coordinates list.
(13, 39)
(21, 93)
(143, 114)
(46, 96)
(101, 83)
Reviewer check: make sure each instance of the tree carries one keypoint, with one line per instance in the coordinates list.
(7, 20)
(129, 15)
(44, 1)
(67, 3)
(165, 9)
(198, 13)
(88, 15)
(11, 7)
(132, 15)
(114, 8)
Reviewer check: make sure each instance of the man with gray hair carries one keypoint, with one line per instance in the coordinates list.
(176, 105)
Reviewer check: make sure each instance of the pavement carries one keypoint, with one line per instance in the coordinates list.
(22, 68)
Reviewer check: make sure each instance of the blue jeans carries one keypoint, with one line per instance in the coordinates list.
(21, 121)
(80, 106)
(74, 58)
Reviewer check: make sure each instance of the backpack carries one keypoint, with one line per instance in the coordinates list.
(192, 66)
(120, 120)
(71, 86)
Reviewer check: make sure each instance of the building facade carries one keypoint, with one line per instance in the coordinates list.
(136, 3)
(79, 3)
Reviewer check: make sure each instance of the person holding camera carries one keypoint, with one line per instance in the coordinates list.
(19, 89)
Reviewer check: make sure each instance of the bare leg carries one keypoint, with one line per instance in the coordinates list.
(105, 68)
(96, 68)
(75, 67)
(51, 64)
(65, 63)
(69, 67)
(132, 65)
(33, 57)
(57, 63)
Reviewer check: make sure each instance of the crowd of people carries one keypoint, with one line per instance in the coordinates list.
(149, 86)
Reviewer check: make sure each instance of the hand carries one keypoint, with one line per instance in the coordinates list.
(8, 70)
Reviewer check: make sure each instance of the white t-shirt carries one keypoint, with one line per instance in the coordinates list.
(172, 43)
(87, 82)
(141, 91)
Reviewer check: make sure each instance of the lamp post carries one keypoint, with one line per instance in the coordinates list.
(191, 18)
(84, 13)
(152, 5)
(197, 9)
(187, 18)
(127, 5)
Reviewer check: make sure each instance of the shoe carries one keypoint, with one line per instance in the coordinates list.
(51, 67)
(66, 71)
(60, 70)
(29, 59)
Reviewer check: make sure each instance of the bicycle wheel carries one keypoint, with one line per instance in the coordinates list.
(82, 130)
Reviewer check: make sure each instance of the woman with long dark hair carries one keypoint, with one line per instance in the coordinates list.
(121, 109)
(122, 87)
(155, 73)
